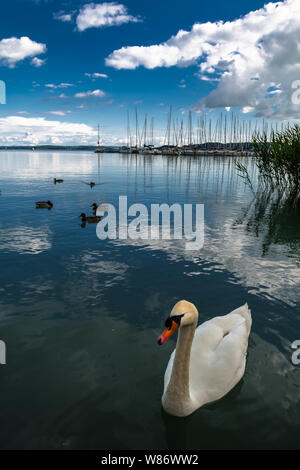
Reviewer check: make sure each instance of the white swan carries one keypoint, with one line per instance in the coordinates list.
(208, 361)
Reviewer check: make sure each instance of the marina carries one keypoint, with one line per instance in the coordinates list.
(228, 135)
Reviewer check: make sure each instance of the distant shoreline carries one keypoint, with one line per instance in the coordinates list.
(212, 148)
(56, 147)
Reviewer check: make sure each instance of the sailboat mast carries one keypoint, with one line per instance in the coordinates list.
(136, 129)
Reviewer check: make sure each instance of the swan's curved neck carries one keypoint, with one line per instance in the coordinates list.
(178, 390)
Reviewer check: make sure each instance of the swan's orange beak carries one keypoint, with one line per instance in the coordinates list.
(167, 333)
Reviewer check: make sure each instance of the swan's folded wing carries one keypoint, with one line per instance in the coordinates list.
(214, 371)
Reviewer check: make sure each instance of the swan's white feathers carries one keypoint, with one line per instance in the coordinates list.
(218, 356)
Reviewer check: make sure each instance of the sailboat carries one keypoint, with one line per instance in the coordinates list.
(99, 149)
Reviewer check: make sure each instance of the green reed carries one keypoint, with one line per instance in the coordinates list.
(277, 159)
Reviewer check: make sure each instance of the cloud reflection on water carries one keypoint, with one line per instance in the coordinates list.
(26, 240)
(232, 249)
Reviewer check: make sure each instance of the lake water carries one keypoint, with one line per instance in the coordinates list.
(80, 317)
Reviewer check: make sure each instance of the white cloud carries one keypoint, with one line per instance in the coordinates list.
(64, 17)
(33, 131)
(13, 50)
(96, 75)
(60, 85)
(103, 14)
(248, 109)
(59, 113)
(244, 55)
(90, 94)
(38, 62)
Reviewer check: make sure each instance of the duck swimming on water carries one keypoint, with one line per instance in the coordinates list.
(44, 205)
(91, 219)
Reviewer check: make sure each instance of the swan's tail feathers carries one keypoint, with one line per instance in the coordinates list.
(246, 313)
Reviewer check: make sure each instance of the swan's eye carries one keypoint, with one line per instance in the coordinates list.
(178, 318)
(175, 318)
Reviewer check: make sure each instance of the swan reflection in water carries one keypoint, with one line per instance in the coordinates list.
(201, 426)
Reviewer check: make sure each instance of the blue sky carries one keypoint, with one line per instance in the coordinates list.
(70, 39)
